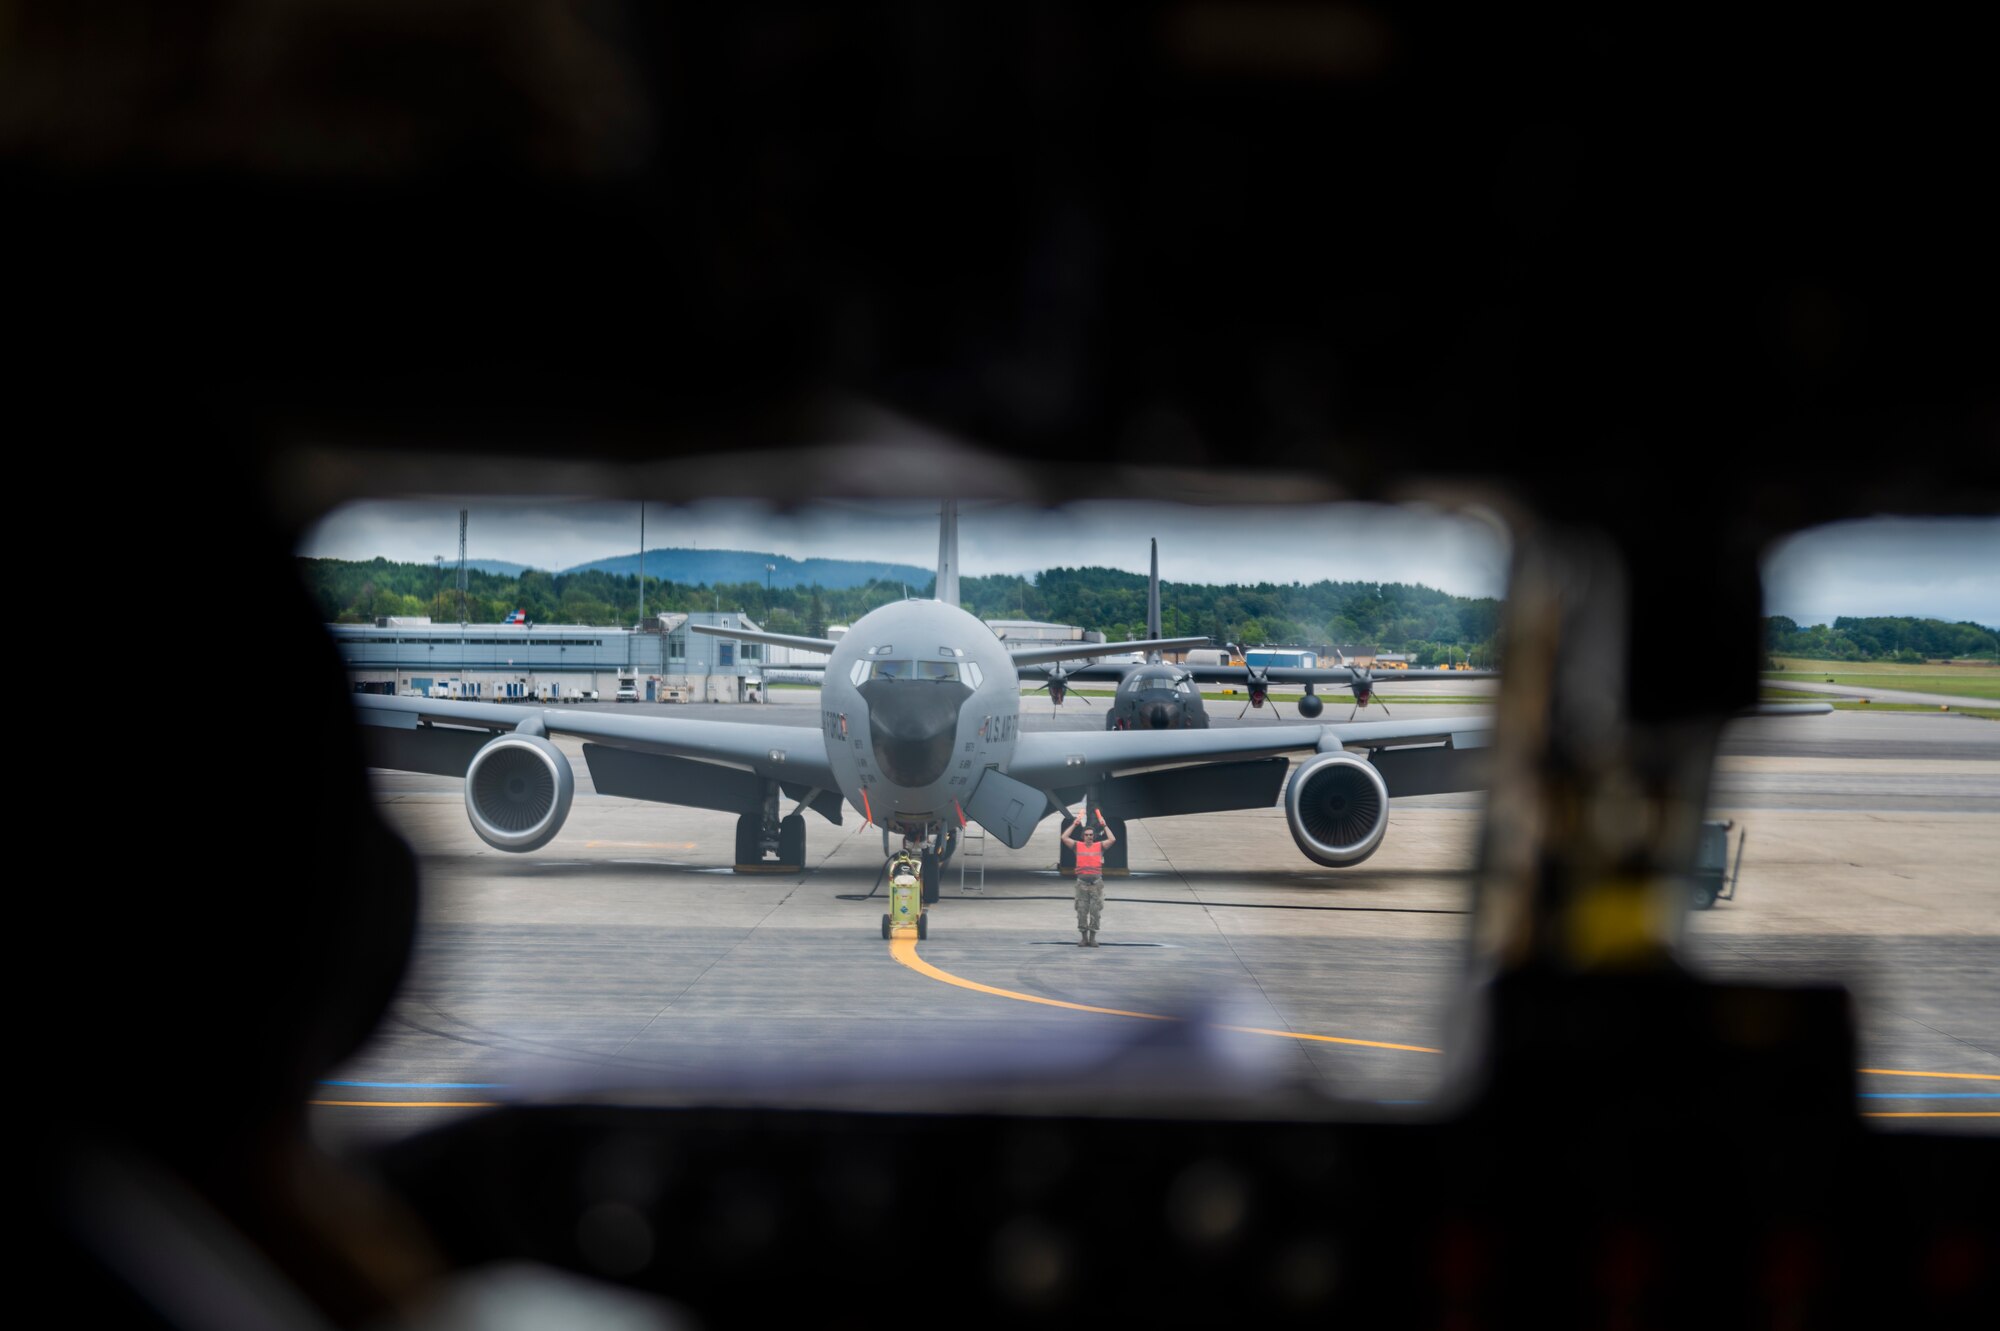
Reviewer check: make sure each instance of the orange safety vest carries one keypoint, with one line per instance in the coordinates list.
(1090, 857)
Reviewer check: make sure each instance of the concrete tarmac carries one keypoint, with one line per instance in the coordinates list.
(1879, 695)
(626, 957)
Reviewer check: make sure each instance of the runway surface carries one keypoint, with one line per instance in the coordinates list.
(1234, 973)
(1876, 695)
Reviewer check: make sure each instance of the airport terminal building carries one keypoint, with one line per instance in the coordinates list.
(660, 659)
(552, 662)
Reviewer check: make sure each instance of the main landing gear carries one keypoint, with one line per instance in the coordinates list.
(766, 843)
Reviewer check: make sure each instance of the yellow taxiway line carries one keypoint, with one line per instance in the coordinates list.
(903, 947)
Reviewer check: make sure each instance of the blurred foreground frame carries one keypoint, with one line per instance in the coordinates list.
(1657, 292)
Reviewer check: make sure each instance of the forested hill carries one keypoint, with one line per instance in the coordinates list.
(1390, 616)
(711, 568)
(1881, 638)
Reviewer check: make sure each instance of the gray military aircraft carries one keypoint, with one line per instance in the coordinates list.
(1154, 695)
(1163, 695)
(920, 734)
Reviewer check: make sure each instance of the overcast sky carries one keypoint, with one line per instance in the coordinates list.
(1937, 568)
(1943, 568)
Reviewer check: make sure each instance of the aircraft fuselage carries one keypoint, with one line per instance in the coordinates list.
(919, 699)
(1156, 697)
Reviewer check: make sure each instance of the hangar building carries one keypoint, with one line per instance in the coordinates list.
(551, 662)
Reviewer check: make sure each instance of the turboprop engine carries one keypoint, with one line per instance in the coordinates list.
(1338, 808)
(517, 792)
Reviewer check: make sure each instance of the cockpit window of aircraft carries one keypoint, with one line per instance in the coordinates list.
(1859, 846)
(674, 793)
(697, 877)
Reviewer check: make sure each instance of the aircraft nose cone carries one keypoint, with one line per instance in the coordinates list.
(1159, 716)
(912, 725)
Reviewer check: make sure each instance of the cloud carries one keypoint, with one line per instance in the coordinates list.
(1929, 568)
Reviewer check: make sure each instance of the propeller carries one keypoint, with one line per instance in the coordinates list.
(1058, 687)
(1361, 681)
(1258, 679)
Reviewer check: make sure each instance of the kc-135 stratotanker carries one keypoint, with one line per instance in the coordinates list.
(920, 735)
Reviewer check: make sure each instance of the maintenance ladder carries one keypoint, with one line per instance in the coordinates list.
(972, 833)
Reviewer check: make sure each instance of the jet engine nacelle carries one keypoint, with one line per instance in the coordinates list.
(518, 791)
(1338, 808)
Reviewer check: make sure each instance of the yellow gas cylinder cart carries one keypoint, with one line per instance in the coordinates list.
(906, 897)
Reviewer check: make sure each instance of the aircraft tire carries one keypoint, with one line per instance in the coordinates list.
(923, 926)
(887, 926)
(792, 842)
(747, 850)
(933, 879)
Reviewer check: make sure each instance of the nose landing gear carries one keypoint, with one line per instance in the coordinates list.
(939, 845)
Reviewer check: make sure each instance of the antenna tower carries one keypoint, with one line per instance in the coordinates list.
(463, 516)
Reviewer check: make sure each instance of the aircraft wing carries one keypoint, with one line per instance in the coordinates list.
(793, 755)
(1084, 651)
(804, 644)
(1341, 675)
(1111, 671)
(1056, 759)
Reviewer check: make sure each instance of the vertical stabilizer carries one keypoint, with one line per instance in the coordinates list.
(947, 573)
(1153, 599)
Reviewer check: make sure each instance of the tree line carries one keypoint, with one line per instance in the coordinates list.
(1430, 626)
(1433, 627)
(1881, 638)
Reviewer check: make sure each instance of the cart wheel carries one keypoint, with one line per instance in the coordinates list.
(885, 926)
(1704, 896)
(923, 926)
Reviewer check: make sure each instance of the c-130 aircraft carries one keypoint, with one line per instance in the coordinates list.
(920, 734)
(1163, 695)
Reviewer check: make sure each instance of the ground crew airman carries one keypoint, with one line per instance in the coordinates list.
(1083, 838)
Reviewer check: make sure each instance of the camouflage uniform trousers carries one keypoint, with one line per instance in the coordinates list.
(1089, 901)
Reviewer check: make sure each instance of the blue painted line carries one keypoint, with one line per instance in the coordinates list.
(424, 1085)
(1930, 1095)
